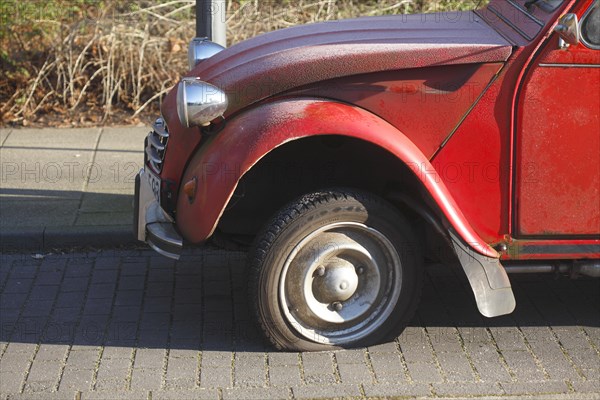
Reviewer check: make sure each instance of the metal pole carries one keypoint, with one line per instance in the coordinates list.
(210, 20)
(203, 19)
(219, 17)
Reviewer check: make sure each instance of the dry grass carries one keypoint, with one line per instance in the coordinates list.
(90, 62)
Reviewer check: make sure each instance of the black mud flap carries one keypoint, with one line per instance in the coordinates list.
(488, 279)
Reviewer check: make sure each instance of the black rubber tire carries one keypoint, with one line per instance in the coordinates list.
(305, 215)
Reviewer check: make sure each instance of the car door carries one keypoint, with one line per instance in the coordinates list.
(557, 137)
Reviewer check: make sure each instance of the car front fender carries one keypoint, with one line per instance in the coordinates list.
(219, 165)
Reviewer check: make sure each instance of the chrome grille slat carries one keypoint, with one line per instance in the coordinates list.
(161, 130)
(153, 155)
(155, 166)
(156, 145)
(155, 142)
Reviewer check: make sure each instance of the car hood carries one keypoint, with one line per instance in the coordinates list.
(275, 62)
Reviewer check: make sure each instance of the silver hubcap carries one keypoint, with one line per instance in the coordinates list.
(340, 283)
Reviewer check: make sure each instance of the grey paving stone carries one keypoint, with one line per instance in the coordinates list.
(75, 380)
(132, 282)
(424, 372)
(20, 348)
(249, 370)
(387, 367)
(14, 286)
(44, 371)
(184, 353)
(318, 368)
(85, 359)
(111, 384)
(350, 356)
(197, 394)
(37, 308)
(129, 298)
(486, 361)
(15, 362)
(146, 379)
(256, 394)
(456, 367)
(153, 320)
(533, 388)
(40, 396)
(554, 361)
(11, 380)
(587, 360)
(180, 383)
(157, 304)
(324, 392)
(508, 338)
(276, 359)
(523, 366)
(13, 300)
(102, 290)
(355, 373)
(538, 336)
(182, 368)
(112, 352)
(51, 352)
(39, 386)
(46, 292)
(104, 276)
(283, 375)
(149, 358)
(389, 347)
(46, 277)
(115, 394)
(571, 337)
(587, 386)
(397, 390)
(94, 307)
(114, 368)
(444, 339)
(413, 337)
(215, 377)
(467, 389)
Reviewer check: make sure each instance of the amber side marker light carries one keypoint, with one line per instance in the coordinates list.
(190, 188)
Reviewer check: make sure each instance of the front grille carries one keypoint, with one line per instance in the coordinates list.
(156, 145)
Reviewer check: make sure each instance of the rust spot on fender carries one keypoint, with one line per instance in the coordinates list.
(404, 89)
(327, 110)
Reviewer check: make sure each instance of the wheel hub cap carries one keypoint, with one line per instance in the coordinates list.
(338, 283)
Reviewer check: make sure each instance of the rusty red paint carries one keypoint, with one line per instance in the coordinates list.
(558, 143)
(257, 133)
(425, 103)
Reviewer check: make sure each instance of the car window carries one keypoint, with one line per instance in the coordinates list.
(590, 26)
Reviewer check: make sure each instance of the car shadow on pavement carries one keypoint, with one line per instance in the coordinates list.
(30, 209)
(137, 299)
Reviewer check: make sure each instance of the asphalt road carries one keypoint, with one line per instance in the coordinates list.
(132, 324)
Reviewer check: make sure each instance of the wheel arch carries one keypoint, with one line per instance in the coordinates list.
(250, 138)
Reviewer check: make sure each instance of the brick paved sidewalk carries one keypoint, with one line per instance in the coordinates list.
(132, 324)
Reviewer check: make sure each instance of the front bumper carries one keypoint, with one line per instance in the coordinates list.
(151, 223)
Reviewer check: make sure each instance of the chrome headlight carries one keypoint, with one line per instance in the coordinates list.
(200, 49)
(199, 102)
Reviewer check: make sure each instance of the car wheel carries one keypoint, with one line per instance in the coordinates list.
(334, 269)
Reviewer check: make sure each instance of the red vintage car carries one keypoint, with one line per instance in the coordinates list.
(343, 153)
